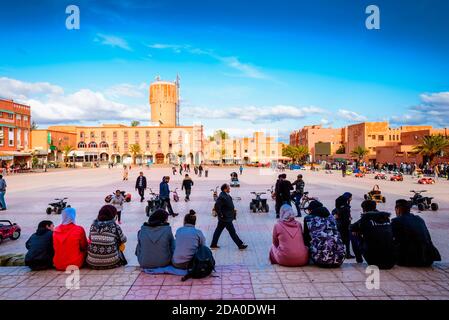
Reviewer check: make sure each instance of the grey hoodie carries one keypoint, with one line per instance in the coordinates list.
(155, 246)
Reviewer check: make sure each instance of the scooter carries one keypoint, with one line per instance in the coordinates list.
(215, 193)
(423, 203)
(258, 204)
(58, 206)
(154, 203)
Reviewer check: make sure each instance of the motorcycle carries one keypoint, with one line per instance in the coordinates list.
(58, 206)
(258, 204)
(154, 203)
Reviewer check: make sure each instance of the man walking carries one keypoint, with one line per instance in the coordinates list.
(164, 194)
(2, 193)
(141, 185)
(200, 170)
(343, 169)
(187, 184)
(299, 192)
(224, 206)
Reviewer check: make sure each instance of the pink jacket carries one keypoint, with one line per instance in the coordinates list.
(288, 245)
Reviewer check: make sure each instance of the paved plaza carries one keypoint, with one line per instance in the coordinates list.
(240, 274)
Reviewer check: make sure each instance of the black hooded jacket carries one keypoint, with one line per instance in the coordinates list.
(376, 234)
(40, 250)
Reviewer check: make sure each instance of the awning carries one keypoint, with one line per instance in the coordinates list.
(83, 153)
(15, 153)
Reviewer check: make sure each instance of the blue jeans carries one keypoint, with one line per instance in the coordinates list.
(2, 199)
(297, 199)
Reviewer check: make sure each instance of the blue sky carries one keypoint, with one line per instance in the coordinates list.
(243, 65)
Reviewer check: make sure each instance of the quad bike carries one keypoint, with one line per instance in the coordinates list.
(215, 193)
(375, 195)
(380, 176)
(175, 195)
(423, 203)
(58, 206)
(154, 203)
(397, 177)
(258, 204)
(235, 180)
(9, 230)
(426, 181)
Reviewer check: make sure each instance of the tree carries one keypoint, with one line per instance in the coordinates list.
(432, 146)
(66, 151)
(341, 150)
(297, 153)
(135, 123)
(220, 134)
(135, 151)
(359, 153)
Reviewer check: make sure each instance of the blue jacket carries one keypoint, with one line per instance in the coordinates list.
(164, 190)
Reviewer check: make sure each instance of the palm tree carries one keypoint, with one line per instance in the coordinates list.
(135, 123)
(359, 152)
(66, 151)
(432, 146)
(135, 151)
(297, 153)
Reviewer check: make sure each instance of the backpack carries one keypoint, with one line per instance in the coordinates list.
(202, 264)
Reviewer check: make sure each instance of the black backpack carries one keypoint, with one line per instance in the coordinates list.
(202, 264)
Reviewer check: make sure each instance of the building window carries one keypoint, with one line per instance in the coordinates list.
(93, 145)
(147, 134)
(397, 137)
(114, 135)
(1, 114)
(114, 145)
(159, 134)
(374, 137)
(18, 117)
(25, 138)
(11, 137)
(82, 134)
(381, 138)
(92, 135)
(10, 116)
(103, 135)
(136, 134)
(148, 146)
(19, 137)
(25, 118)
(81, 145)
(104, 144)
(2, 137)
(125, 145)
(125, 134)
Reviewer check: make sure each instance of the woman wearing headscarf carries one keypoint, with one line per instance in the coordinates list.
(69, 242)
(155, 241)
(342, 214)
(288, 247)
(106, 241)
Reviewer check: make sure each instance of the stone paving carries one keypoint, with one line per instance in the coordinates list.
(240, 274)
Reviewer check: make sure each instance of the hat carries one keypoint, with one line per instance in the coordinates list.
(315, 204)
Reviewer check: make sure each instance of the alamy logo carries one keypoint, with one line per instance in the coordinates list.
(73, 20)
(372, 22)
(72, 282)
(373, 280)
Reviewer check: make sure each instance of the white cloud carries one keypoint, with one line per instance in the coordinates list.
(16, 89)
(351, 115)
(113, 41)
(252, 114)
(127, 90)
(433, 109)
(245, 69)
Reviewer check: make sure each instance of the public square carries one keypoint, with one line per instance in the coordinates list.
(240, 274)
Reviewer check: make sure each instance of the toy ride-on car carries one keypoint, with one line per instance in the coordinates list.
(359, 175)
(421, 202)
(397, 177)
(380, 176)
(375, 195)
(58, 206)
(234, 180)
(9, 230)
(426, 181)
(258, 204)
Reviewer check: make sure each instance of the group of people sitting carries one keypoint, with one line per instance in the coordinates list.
(322, 240)
(67, 244)
(403, 240)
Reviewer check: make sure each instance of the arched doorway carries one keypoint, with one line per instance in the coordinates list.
(127, 159)
(116, 158)
(198, 157)
(171, 158)
(160, 158)
(190, 158)
(104, 156)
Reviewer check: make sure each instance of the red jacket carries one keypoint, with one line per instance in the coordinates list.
(70, 245)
